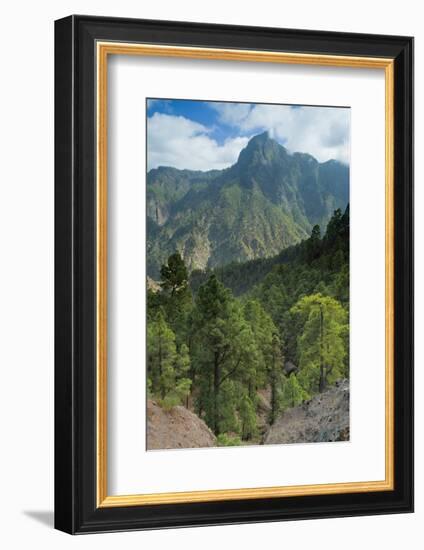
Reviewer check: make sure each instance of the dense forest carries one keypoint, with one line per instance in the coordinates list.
(218, 339)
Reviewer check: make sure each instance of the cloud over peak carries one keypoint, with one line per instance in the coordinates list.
(222, 130)
(323, 132)
(182, 143)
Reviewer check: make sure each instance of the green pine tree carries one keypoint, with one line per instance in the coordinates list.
(176, 297)
(293, 394)
(222, 347)
(275, 376)
(321, 341)
(248, 420)
(174, 274)
(161, 356)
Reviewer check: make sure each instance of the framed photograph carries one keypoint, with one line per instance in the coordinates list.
(234, 269)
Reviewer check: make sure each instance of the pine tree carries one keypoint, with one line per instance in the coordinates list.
(228, 399)
(335, 226)
(182, 374)
(167, 368)
(275, 378)
(321, 342)
(293, 394)
(174, 274)
(161, 356)
(263, 330)
(175, 297)
(222, 346)
(182, 365)
(313, 244)
(247, 418)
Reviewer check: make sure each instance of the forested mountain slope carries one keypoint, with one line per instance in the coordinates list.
(217, 344)
(267, 201)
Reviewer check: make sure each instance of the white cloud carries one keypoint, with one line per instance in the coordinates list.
(182, 143)
(231, 113)
(320, 131)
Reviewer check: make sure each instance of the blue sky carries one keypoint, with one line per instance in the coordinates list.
(204, 135)
(202, 112)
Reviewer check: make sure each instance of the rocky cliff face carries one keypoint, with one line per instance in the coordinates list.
(323, 418)
(177, 428)
(269, 200)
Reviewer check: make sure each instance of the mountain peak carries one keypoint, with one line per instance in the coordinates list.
(261, 149)
(263, 140)
(269, 200)
(260, 138)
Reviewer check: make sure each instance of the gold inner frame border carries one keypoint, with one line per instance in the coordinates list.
(103, 50)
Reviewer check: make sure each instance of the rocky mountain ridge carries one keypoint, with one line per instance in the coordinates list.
(268, 200)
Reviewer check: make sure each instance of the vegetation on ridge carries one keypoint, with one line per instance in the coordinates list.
(268, 201)
(216, 340)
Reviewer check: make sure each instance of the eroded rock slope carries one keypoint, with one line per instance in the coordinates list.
(323, 418)
(177, 428)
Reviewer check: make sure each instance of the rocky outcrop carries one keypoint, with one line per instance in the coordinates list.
(177, 428)
(289, 368)
(153, 285)
(323, 418)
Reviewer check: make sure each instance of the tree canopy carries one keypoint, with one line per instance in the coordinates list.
(218, 340)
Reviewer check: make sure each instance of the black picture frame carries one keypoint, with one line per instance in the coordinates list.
(76, 508)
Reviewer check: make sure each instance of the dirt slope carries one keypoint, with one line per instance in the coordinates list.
(325, 417)
(176, 428)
